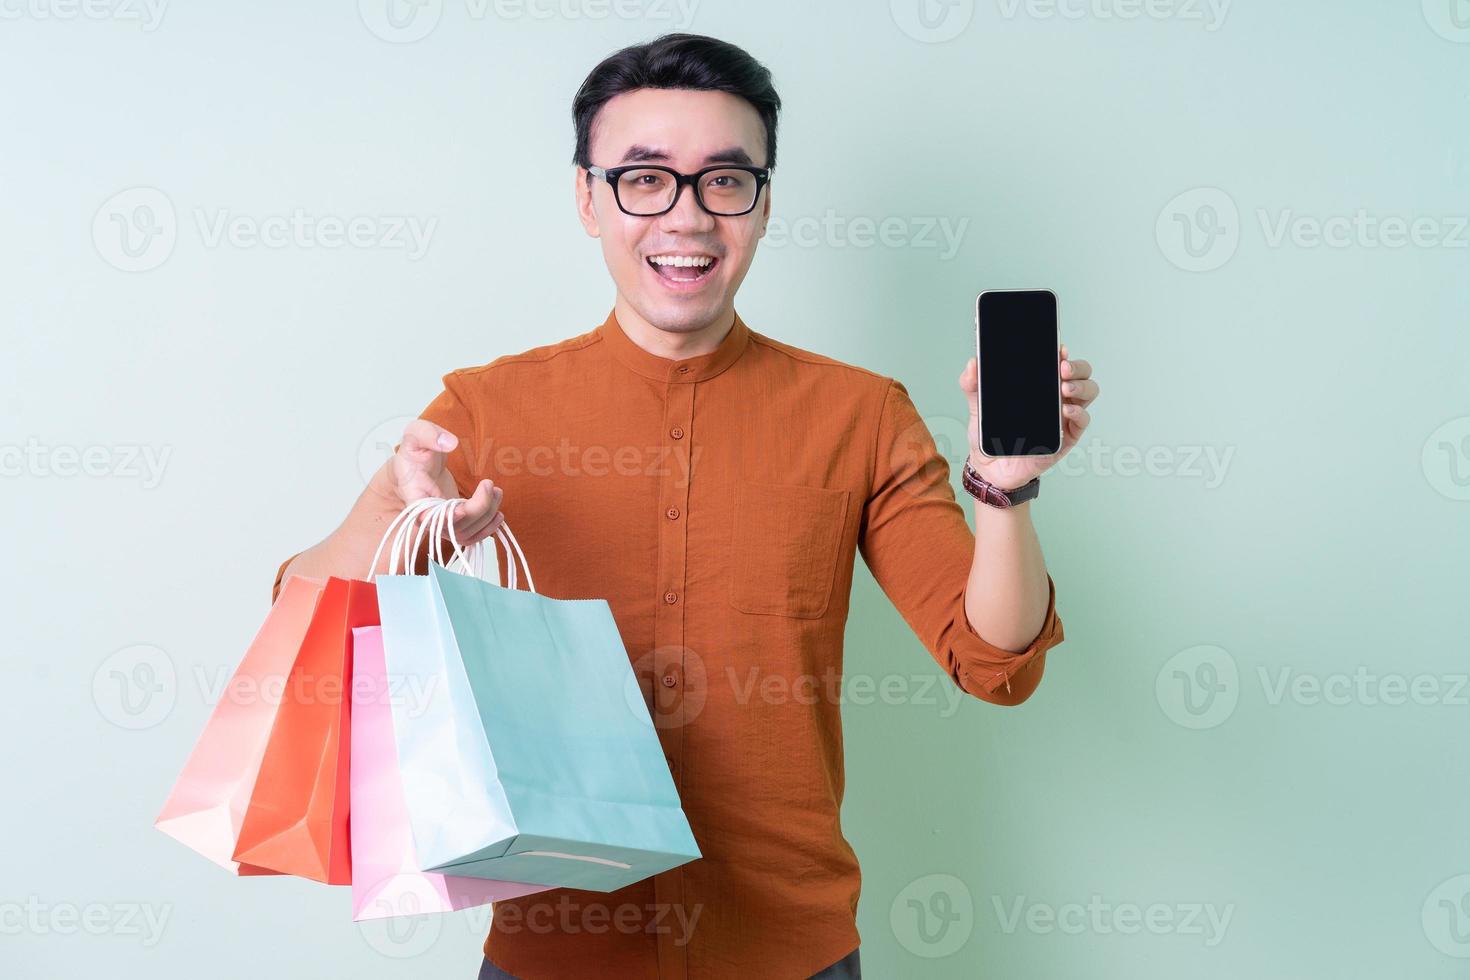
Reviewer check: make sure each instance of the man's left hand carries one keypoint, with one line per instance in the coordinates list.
(1010, 472)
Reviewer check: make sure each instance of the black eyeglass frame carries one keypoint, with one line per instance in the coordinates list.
(762, 177)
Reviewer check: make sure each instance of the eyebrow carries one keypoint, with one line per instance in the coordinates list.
(645, 154)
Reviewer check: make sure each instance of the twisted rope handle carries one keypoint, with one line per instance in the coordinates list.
(434, 516)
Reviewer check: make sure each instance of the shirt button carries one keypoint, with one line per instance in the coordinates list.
(671, 597)
(684, 369)
(670, 680)
(676, 432)
(673, 513)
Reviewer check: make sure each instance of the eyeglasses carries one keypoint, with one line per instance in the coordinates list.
(644, 190)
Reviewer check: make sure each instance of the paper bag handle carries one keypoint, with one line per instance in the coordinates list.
(434, 516)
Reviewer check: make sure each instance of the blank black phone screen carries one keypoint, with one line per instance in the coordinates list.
(1020, 392)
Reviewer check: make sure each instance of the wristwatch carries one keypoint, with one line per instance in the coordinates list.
(982, 489)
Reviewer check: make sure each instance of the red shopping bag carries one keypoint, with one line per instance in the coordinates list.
(296, 821)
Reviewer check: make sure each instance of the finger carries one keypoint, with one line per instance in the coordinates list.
(487, 531)
(478, 509)
(473, 514)
(1064, 352)
(970, 378)
(417, 484)
(1076, 370)
(422, 439)
(1081, 392)
(1077, 417)
(490, 514)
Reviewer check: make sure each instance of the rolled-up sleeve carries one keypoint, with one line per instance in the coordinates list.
(450, 410)
(917, 542)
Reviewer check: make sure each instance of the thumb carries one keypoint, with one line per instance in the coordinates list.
(970, 378)
(422, 440)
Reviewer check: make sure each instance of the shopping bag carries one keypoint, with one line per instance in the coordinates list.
(207, 804)
(453, 798)
(386, 880)
(541, 764)
(296, 820)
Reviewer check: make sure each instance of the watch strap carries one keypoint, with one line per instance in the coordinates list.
(983, 490)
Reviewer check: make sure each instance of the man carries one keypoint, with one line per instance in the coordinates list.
(714, 485)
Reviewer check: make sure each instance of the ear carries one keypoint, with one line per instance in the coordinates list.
(582, 190)
(765, 212)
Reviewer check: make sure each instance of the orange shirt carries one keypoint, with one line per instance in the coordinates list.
(717, 503)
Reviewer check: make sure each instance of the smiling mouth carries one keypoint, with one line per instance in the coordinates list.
(682, 268)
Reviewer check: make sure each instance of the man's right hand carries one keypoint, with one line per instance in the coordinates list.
(417, 470)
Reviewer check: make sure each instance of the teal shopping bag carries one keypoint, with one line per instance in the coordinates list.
(575, 750)
(530, 755)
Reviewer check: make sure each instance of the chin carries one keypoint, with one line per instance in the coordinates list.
(681, 317)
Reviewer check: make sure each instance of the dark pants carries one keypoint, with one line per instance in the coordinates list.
(846, 968)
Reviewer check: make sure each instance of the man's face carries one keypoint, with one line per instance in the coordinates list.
(685, 130)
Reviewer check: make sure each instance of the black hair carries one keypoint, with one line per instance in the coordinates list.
(686, 61)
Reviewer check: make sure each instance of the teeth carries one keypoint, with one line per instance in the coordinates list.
(699, 261)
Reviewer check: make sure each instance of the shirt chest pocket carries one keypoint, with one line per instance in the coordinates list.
(785, 543)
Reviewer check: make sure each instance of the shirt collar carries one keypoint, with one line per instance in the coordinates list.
(686, 371)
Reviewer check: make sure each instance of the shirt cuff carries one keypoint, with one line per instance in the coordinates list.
(991, 673)
(276, 588)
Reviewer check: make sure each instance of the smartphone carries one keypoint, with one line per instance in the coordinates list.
(1016, 347)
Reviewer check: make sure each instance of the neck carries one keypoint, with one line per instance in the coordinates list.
(676, 345)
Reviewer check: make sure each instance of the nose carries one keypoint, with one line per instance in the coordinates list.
(687, 216)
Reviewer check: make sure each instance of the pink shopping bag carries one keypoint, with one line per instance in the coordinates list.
(208, 802)
(386, 880)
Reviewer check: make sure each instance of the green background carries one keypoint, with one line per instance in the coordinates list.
(1177, 755)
